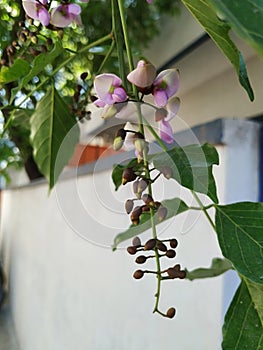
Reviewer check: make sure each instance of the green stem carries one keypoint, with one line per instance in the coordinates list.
(117, 30)
(107, 56)
(204, 209)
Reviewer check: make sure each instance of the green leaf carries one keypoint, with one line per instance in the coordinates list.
(245, 19)
(240, 233)
(218, 30)
(51, 125)
(191, 167)
(174, 206)
(256, 293)
(242, 328)
(19, 69)
(38, 65)
(217, 267)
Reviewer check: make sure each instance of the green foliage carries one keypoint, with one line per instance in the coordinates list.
(218, 266)
(219, 32)
(191, 167)
(245, 20)
(50, 124)
(239, 229)
(242, 328)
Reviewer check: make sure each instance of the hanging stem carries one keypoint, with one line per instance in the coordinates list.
(141, 129)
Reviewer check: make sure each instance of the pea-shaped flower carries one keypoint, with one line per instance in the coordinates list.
(109, 89)
(36, 10)
(143, 75)
(64, 14)
(166, 85)
(163, 116)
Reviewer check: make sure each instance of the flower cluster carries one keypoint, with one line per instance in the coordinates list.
(163, 87)
(60, 16)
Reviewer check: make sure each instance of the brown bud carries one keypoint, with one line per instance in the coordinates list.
(177, 267)
(172, 272)
(182, 274)
(132, 250)
(84, 75)
(138, 135)
(150, 244)
(161, 246)
(170, 312)
(173, 243)
(148, 200)
(129, 206)
(167, 172)
(141, 259)
(135, 215)
(49, 41)
(162, 213)
(145, 208)
(135, 188)
(128, 175)
(142, 185)
(138, 274)
(136, 242)
(170, 253)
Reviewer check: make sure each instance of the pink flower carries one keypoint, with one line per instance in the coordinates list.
(165, 86)
(149, 1)
(143, 75)
(64, 14)
(163, 116)
(109, 90)
(37, 10)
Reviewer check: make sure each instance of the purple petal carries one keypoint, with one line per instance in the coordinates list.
(30, 8)
(44, 16)
(143, 75)
(168, 80)
(166, 132)
(104, 87)
(74, 9)
(119, 95)
(160, 98)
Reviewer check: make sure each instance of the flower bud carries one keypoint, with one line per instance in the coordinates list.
(132, 250)
(138, 274)
(150, 244)
(148, 200)
(128, 175)
(170, 253)
(143, 75)
(117, 143)
(84, 75)
(129, 206)
(167, 172)
(162, 213)
(141, 259)
(135, 215)
(170, 312)
(136, 242)
(161, 246)
(173, 243)
(173, 272)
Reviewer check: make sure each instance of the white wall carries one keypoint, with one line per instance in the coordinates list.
(69, 290)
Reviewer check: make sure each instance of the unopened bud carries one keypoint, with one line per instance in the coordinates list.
(84, 75)
(170, 253)
(132, 250)
(161, 246)
(170, 312)
(148, 200)
(135, 215)
(150, 244)
(129, 206)
(138, 274)
(173, 243)
(136, 242)
(143, 75)
(167, 172)
(128, 175)
(162, 213)
(117, 143)
(140, 259)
